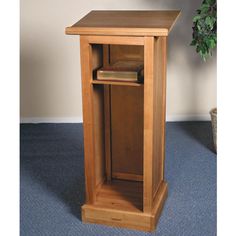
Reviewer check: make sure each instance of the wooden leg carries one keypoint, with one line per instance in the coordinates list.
(87, 90)
(148, 122)
(154, 117)
(159, 112)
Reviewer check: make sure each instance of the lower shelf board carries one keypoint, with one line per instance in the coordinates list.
(121, 194)
(114, 207)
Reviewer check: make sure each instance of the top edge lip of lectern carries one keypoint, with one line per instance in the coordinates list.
(119, 22)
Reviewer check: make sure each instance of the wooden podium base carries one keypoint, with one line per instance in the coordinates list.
(113, 208)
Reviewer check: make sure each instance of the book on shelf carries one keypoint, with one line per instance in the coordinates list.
(129, 71)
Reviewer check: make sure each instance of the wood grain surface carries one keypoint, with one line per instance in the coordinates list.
(139, 23)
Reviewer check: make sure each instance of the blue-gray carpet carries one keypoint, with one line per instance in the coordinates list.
(52, 182)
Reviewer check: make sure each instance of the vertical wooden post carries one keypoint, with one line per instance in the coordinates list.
(106, 54)
(160, 104)
(159, 110)
(107, 115)
(87, 91)
(154, 118)
(148, 123)
(107, 122)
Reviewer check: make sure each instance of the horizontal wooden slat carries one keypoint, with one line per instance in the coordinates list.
(117, 83)
(115, 217)
(118, 31)
(120, 40)
(127, 176)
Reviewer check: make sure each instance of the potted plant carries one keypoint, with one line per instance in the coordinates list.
(204, 38)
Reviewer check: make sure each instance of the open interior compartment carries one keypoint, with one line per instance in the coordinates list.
(107, 55)
(118, 112)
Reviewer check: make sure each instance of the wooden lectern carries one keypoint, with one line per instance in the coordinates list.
(124, 122)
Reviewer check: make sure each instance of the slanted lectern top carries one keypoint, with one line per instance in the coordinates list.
(124, 122)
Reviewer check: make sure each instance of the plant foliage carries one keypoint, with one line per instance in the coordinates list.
(204, 29)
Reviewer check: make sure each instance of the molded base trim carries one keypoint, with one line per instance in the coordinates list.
(126, 219)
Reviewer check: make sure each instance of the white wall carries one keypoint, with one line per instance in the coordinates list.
(50, 63)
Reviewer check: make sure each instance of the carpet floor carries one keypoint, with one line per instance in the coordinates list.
(52, 182)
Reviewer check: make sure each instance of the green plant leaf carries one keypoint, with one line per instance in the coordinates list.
(196, 18)
(210, 2)
(204, 9)
(212, 43)
(209, 21)
(193, 43)
(199, 27)
(204, 5)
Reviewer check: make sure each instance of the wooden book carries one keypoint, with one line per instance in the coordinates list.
(130, 71)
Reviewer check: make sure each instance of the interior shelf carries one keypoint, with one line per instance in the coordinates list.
(121, 195)
(94, 81)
